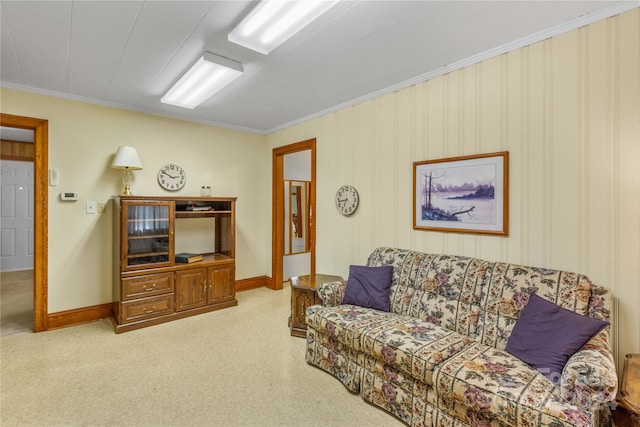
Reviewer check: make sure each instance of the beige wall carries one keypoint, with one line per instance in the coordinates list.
(82, 141)
(567, 109)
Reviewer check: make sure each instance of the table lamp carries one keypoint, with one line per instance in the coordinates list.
(127, 160)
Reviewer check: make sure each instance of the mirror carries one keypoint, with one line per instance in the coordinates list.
(297, 212)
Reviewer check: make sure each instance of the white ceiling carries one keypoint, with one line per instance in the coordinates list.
(128, 53)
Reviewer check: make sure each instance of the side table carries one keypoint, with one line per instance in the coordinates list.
(303, 295)
(629, 395)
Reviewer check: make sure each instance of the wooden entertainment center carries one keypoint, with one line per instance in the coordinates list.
(149, 286)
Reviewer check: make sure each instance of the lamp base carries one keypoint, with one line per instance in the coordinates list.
(127, 177)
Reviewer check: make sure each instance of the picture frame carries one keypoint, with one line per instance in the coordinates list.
(467, 194)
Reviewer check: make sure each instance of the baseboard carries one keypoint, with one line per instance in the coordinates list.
(77, 316)
(253, 283)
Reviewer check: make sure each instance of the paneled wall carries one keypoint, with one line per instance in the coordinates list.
(568, 111)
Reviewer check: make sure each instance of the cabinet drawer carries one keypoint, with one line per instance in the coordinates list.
(147, 308)
(146, 286)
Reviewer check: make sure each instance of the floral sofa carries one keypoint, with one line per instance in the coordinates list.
(438, 358)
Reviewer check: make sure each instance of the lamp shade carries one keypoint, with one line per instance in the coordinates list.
(126, 158)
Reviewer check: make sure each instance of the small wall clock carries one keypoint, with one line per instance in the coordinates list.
(172, 177)
(347, 200)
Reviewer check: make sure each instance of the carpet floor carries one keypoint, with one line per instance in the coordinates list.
(233, 367)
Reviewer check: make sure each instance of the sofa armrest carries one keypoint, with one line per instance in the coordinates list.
(589, 378)
(332, 293)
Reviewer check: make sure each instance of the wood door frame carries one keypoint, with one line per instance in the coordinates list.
(40, 129)
(277, 206)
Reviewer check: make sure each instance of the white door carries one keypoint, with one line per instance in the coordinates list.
(16, 215)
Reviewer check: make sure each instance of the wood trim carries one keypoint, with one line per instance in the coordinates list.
(253, 283)
(312, 209)
(277, 208)
(277, 215)
(16, 150)
(41, 214)
(77, 316)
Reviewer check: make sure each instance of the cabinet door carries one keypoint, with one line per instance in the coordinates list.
(191, 288)
(221, 283)
(146, 234)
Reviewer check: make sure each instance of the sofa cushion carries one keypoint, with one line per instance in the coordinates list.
(507, 291)
(486, 380)
(345, 323)
(547, 335)
(442, 289)
(402, 343)
(412, 346)
(369, 286)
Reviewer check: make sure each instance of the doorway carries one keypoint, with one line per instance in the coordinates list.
(40, 128)
(16, 205)
(283, 214)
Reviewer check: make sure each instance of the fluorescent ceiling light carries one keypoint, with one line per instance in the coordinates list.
(207, 76)
(272, 22)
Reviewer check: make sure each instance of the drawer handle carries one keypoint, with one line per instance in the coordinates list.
(153, 307)
(148, 289)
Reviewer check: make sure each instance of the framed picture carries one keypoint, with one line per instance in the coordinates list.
(467, 194)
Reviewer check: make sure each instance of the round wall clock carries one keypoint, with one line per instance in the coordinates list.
(347, 200)
(171, 177)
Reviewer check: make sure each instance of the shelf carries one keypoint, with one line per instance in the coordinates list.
(215, 205)
(215, 257)
(148, 236)
(200, 214)
(147, 254)
(206, 259)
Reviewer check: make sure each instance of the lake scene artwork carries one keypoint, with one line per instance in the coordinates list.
(459, 194)
(464, 194)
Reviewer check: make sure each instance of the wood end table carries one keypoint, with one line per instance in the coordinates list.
(628, 411)
(303, 295)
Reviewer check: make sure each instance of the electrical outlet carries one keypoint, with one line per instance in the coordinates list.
(101, 207)
(92, 207)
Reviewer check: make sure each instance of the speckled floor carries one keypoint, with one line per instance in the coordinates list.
(233, 367)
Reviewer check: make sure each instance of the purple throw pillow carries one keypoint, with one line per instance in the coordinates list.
(547, 335)
(369, 287)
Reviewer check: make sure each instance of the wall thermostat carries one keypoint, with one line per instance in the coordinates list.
(69, 196)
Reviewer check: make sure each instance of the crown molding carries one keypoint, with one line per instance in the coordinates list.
(105, 103)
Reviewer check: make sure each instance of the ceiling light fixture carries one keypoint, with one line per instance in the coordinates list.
(272, 22)
(207, 76)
